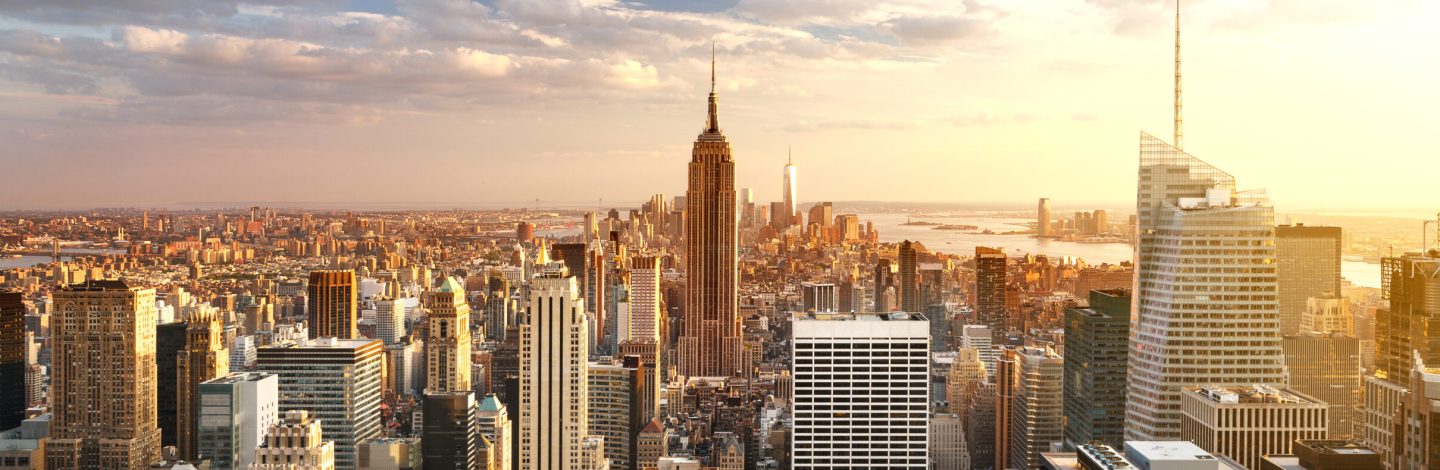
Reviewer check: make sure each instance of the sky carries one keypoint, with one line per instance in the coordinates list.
(1325, 103)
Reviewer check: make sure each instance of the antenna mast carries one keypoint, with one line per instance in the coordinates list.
(1179, 106)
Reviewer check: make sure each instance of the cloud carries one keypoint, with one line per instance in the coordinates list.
(936, 28)
(851, 124)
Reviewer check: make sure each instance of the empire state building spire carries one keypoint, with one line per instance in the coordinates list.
(712, 120)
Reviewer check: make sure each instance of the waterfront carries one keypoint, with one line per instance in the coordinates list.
(890, 225)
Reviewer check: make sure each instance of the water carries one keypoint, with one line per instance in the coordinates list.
(1360, 273)
(963, 242)
(24, 261)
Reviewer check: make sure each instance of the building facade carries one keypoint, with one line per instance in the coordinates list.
(336, 381)
(1097, 341)
(333, 300)
(1248, 423)
(873, 415)
(553, 398)
(235, 412)
(1307, 260)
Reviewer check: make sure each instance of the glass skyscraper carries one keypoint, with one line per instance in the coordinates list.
(1207, 289)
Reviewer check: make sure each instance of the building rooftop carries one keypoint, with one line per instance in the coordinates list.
(1253, 394)
(829, 316)
(238, 377)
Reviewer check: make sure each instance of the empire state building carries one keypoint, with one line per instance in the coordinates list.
(710, 339)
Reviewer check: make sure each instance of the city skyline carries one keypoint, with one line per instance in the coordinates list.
(323, 87)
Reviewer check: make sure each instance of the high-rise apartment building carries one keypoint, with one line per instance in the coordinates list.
(103, 385)
(337, 381)
(205, 356)
(553, 394)
(990, 281)
(1326, 366)
(332, 305)
(1248, 423)
(296, 442)
(710, 341)
(1307, 260)
(1197, 234)
(235, 412)
(447, 345)
(644, 288)
(1043, 218)
(873, 415)
(12, 359)
(616, 411)
(909, 277)
(1097, 341)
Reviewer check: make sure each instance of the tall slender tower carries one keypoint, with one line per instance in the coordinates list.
(12, 359)
(103, 390)
(710, 337)
(204, 357)
(909, 278)
(791, 205)
(447, 348)
(1042, 219)
(554, 394)
(1179, 105)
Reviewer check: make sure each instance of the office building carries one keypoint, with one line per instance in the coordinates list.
(980, 338)
(332, 302)
(875, 414)
(297, 442)
(1037, 412)
(616, 411)
(909, 277)
(204, 357)
(1197, 234)
(1248, 423)
(710, 341)
(1328, 313)
(1174, 455)
(1326, 366)
(447, 346)
(789, 194)
(337, 381)
(498, 311)
(23, 447)
(102, 392)
(1042, 218)
(1307, 260)
(1006, 380)
(1404, 333)
(947, 442)
(818, 297)
(1097, 341)
(12, 359)
(451, 435)
(494, 423)
(553, 398)
(235, 412)
(170, 339)
(390, 321)
(1327, 454)
(979, 406)
(393, 453)
(990, 282)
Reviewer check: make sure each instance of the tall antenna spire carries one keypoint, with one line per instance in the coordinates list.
(1179, 106)
(712, 121)
(789, 156)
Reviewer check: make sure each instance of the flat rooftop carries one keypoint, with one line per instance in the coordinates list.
(1253, 394)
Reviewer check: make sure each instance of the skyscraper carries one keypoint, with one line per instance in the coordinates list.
(710, 338)
(1326, 366)
(494, 424)
(1405, 334)
(554, 347)
(1042, 218)
(909, 278)
(1096, 343)
(447, 346)
(12, 359)
(1307, 261)
(338, 381)
(451, 434)
(1198, 235)
(839, 422)
(333, 300)
(616, 411)
(204, 357)
(102, 390)
(645, 315)
(990, 280)
(298, 440)
(790, 195)
(1037, 417)
(235, 412)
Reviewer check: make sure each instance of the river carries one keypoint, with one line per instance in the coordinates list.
(963, 242)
